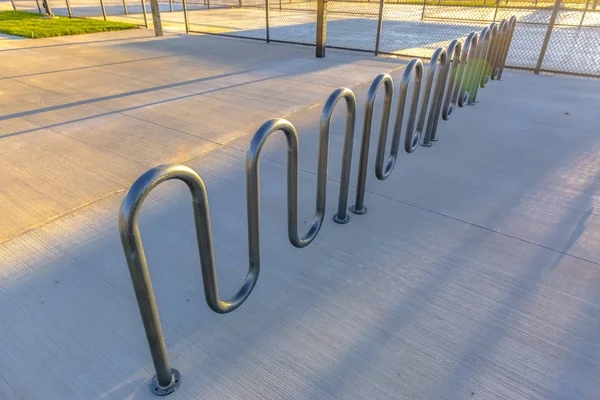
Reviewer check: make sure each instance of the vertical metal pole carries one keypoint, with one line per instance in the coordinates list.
(158, 30)
(47, 7)
(423, 12)
(496, 11)
(38, 5)
(102, 7)
(125, 7)
(185, 16)
(538, 67)
(171, 5)
(321, 28)
(587, 3)
(240, 3)
(279, 5)
(14, 7)
(144, 12)
(379, 26)
(267, 18)
(69, 8)
(208, 4)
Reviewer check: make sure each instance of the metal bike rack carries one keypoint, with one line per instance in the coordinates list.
(167, 379)
(458, 71)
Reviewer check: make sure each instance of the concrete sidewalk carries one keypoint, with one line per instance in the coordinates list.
(83, 116)
(475, 273)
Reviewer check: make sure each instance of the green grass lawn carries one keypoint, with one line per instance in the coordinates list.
(32, 25)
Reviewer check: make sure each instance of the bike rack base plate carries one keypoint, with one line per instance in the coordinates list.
(165, 390)
(358, 212)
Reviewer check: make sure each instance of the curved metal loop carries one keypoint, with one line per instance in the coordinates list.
(501, 39)
(412, 72)
(483, 44)
(488, 65)
(437, 65)
(454, 52)
(138, 267)
(253, 172)
(512, 23)
(467, 68)
(387, 82)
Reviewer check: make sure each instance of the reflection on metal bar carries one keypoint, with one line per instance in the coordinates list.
(386, 81)
(167, 379)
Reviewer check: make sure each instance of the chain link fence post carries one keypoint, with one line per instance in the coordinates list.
(379, 26)
(13, 5)
(103, 9)
(267, 18)
(125, 7)
(144, 12)
(68, 3)
(185, 16)
(38, 6)
(540, 60)
(321, 28)
(158, 30)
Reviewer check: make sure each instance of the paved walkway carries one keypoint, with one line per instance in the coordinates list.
(83, 116)
(475, 273)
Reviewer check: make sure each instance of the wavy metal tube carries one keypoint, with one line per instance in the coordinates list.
(167, 379)
(467, 67)
(501, 39)
(454, 51)
(253, 172)
(512, 23)
(386, 81)
(483, 45)
(488, 65)
(412, 72)
(437, 65)
(448, 95)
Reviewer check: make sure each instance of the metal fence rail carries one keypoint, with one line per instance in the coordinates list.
(458, 74)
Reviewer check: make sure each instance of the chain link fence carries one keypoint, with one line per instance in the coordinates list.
(559, 37)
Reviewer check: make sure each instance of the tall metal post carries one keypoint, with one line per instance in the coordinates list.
(144, 12)
(38, 5)
(496, 11)
(158, 30)
(267, 18)
(171, 5)
(379, 26)
(321, 28)
(538, 66)
(69, 8)
(13, 5)
(423, 12)
(240, 3)
(587, 3)
(125, 7)
(185, 16)
(103, 9)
